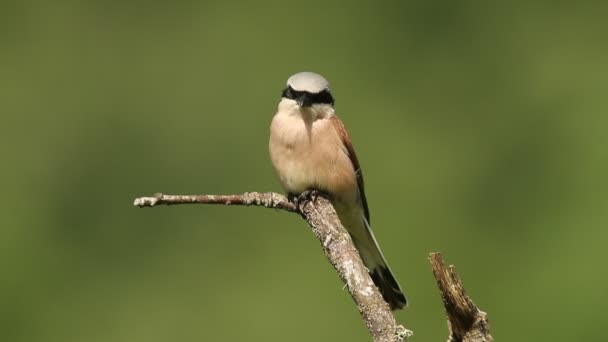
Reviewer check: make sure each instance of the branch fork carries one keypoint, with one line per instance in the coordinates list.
(466, 322)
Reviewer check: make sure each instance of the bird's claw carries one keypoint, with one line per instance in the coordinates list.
(309, 195)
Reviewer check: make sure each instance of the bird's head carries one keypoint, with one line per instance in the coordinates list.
(308, 89)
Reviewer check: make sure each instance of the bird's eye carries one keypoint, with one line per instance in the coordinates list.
(324, 97)
(288, 93)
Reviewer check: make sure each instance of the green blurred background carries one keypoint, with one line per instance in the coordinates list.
(480, 127)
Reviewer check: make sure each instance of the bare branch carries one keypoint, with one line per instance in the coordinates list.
(344, 257)
(335, 241)
(265, 199)
(465, 321)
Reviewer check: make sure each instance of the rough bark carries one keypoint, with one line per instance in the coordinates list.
(466, 322)
(335, 241)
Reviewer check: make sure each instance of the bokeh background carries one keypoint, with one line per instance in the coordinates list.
(480, 127)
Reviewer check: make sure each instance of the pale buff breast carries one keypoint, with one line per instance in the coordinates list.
(308, 154)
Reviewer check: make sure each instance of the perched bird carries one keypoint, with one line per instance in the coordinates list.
(311, 150)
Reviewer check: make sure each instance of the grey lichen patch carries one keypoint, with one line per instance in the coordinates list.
(327, 241)
(276, 199)
(255, 198)
(145, 201)
(402, 333)
(367, 291)
(248, 199)
(349, 273)
(355, 279)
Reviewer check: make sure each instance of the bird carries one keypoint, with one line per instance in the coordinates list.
(311, 150)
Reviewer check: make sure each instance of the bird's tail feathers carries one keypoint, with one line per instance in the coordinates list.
(378, 269)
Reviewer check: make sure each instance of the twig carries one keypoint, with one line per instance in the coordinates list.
(266, 199)
(465, 321)
(337, 246)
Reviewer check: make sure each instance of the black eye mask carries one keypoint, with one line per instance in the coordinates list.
(307, 98)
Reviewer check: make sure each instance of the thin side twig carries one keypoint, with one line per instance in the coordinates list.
(335, 241)
(264, 199)
(466, 322)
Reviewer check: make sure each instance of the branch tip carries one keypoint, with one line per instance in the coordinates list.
(466, 322)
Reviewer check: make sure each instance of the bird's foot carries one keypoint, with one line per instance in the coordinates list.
(292, 197)
(310, 195)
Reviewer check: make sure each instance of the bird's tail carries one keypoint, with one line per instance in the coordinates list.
(378, 268)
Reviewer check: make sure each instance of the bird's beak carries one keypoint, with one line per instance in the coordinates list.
(302, 101)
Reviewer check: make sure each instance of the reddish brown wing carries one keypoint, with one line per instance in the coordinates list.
(339, 126)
